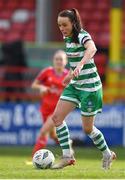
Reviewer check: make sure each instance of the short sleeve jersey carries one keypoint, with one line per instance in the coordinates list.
(88, 79)
(49, 78)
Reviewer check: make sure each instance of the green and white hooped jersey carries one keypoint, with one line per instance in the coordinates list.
(88, 79)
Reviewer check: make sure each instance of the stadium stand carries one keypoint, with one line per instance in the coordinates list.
(17, 21)
(14, 17)
(95, 18)
(17, 85)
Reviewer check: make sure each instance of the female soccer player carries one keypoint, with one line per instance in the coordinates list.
(49, 84)
(84, 89)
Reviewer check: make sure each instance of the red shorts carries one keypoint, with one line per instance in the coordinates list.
(46, 111)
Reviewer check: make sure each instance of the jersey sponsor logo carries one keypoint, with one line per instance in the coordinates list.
(73, 45)
(75, 54)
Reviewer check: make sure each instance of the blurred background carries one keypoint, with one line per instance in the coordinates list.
(29, 36)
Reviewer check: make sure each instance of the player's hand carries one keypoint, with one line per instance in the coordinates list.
(67, 80)
(44, 90)
(77, 70)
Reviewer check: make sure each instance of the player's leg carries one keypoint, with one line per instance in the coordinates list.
(99, 140)
(48, 128)
(95, 134)
(40, 144)
(52, 134)
(92, 104)
(63, 108)
(68, 101)
(42, 139)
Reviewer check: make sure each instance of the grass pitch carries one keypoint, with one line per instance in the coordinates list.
(88, 165)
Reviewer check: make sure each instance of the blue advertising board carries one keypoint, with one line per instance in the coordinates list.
(20, 124)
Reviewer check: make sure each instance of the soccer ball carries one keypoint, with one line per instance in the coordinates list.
(43, 159)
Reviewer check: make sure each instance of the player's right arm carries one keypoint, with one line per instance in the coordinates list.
(38, 86)
(38, 83)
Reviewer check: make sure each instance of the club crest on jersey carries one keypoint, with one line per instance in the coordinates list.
(90, 106)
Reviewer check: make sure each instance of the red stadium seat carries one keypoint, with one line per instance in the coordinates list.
(15, 28)
(12, 5)
(100, 59)
(103, 6)
(86, 16)
(94, 36)
(97, 16)
(105, 16)
(18, 26)
(104, 1)
(103, 39)
(93, 27)
(29, 36)
(1, 5)
(87, 6)
(2, 36)
(5, 14)
(27, 5)
(30, 25)
(12, 36)
(70, 4)
(106, 27)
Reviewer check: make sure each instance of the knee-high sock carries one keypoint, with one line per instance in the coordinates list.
(64, 139)
(99, 141)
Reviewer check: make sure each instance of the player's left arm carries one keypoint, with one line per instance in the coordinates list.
(89, 53)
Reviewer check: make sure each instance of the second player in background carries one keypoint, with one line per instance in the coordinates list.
(49, 83)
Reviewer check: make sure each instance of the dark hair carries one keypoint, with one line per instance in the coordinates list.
(74, 17)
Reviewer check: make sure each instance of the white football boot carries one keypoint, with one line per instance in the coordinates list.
(107, 161)
(65, 161)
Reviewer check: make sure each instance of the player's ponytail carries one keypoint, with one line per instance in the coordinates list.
(74, 17)
(77, 25)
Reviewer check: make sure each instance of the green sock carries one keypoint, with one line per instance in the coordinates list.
(64, 139)
(99, 141)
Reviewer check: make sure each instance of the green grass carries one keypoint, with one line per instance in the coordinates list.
(12, 165)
